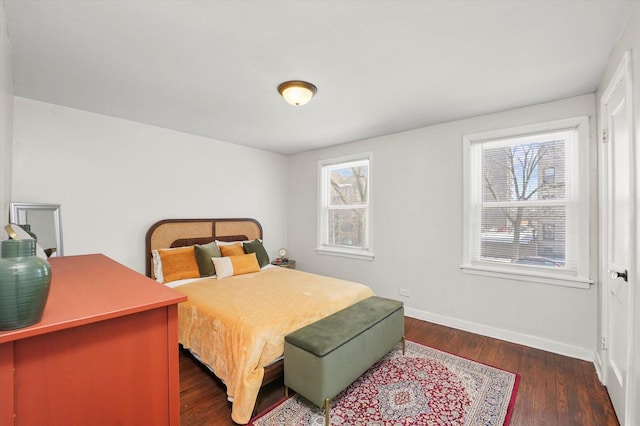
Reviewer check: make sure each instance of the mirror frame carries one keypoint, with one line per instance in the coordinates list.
(17, 208)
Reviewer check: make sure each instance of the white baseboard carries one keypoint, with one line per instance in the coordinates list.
(499, 333)
(597, 363)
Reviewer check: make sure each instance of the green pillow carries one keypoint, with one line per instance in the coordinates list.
(256, 247)
(204, 253)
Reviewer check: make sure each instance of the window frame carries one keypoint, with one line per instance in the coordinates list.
(578, 232)
(549, 178)
(323, 247)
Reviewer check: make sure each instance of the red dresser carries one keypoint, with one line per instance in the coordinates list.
(105, 352)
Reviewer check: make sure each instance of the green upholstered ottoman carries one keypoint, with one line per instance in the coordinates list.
(323, 358)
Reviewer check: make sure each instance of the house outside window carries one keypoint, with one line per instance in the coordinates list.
(344, 225)
(549, 176)
(526, 203)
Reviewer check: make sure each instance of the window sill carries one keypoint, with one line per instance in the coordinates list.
(353, 254)
(528, 276)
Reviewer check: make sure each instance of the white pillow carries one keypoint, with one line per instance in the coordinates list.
(157, 266)
(229, 243)
(235, 265)
(223, 266)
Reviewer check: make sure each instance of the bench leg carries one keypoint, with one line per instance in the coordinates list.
(403, 345)
(286, 391)
(326, 412)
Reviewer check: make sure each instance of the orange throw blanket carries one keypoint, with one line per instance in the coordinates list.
(237, 325)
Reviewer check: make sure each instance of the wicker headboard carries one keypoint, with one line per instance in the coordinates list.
(169, 233)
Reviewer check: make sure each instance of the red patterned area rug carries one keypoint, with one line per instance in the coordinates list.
(423, 387)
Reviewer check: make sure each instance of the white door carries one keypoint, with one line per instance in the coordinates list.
(618, 237)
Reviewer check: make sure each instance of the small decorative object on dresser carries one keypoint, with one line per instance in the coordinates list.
(24, 284)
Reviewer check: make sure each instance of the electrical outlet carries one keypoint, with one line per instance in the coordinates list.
(404, 292)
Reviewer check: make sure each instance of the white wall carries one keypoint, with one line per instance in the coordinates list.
(114, 178)
(6, 120)
(417, 223)
(630, 40)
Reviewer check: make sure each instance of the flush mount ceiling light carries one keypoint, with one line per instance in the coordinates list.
(297, 92)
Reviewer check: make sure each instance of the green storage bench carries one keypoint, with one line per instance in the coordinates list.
(323, 358)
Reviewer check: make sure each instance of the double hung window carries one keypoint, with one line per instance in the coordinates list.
(344, 226)
(526, 203)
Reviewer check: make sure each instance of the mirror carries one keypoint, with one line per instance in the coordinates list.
(45, 223)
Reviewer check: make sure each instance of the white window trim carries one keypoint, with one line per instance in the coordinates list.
(471, 218)
(341, 251)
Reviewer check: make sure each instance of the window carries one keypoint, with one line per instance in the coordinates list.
(526, 212)
(344, 226)
(548, 232)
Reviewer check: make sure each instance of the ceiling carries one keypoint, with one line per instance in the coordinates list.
(211, 68)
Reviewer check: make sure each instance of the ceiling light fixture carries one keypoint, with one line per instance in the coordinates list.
(297, 92)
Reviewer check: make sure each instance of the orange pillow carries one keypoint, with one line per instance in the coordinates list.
(245, 264)
(235, 265)
(232, 250)
(179, 263)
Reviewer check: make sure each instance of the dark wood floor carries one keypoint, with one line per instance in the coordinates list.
(554, 389)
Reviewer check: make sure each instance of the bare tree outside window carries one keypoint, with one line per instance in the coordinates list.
(344, 202)
(516, 178)
(347, 205)
(526, 203)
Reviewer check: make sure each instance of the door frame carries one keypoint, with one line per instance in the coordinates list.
(622, 73)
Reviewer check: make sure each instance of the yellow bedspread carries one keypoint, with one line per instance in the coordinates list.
(237, 325)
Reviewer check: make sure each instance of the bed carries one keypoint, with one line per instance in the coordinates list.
(235, 323)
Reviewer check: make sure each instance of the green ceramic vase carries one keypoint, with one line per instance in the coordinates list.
(24, 284)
